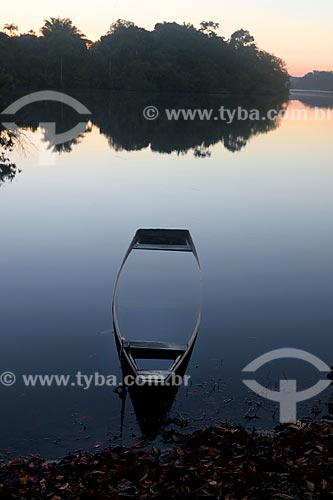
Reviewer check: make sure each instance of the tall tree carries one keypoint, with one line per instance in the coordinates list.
(64, 42)
(209, 28)
(241, 39)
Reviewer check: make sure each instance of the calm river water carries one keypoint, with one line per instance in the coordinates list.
(257, 197)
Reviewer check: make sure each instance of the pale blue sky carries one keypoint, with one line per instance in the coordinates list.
(299, 31)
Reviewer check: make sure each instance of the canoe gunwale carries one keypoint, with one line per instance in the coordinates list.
(159, 243)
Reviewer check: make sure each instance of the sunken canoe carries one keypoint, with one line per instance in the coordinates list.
(130, 351)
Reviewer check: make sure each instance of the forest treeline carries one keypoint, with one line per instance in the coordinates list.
(172, 58)
(315, 80)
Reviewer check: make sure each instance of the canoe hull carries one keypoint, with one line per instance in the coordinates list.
(175, 240)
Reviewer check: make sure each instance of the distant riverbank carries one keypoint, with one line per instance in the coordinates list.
(319, 80)
(311, 92)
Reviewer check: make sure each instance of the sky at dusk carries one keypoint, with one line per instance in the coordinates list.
(299, 31)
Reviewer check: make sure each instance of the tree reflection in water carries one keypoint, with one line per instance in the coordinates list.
(8, 170)
(119, 118)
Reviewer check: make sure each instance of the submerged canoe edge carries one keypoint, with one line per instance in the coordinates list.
(175, 240)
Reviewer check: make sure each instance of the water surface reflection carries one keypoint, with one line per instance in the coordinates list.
(258, 201)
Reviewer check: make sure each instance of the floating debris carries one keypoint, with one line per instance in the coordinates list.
(226, 463)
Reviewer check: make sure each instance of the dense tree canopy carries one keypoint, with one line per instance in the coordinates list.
(172, 57)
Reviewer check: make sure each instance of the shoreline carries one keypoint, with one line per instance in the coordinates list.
(225, 462)
(324, 93)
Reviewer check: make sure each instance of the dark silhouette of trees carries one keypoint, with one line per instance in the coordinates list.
(119, 118)
(6, 61)
(316, 80)
(11, 29)
(66, 48)
(120, 58)
(172, 57)
(241, 39)
(321, 100)
(209, 28)
(8, 169)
